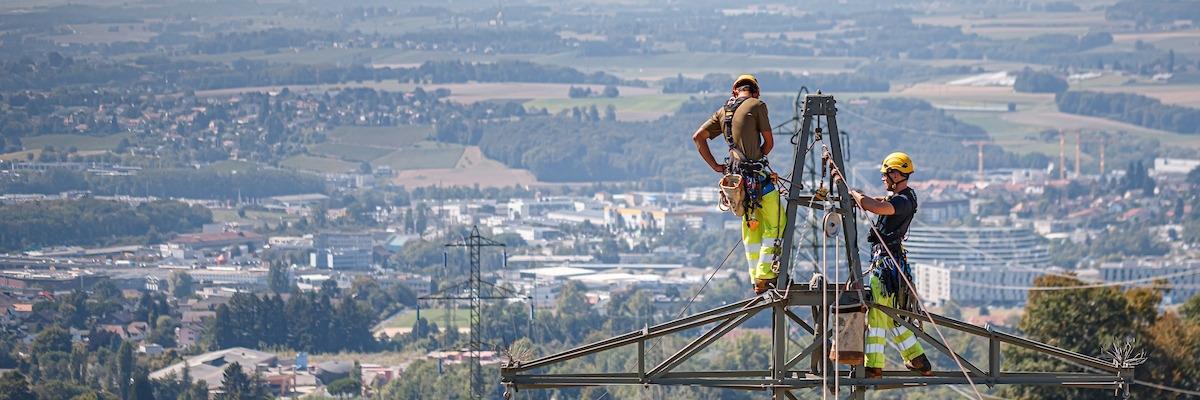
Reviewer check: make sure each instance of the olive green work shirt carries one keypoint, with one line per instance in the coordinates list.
(749, 121)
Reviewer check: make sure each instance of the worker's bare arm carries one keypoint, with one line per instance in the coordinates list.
(768, 142)
(701, 139)
(874, 205)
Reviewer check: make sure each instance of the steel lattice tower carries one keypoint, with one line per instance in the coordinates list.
(475, 290)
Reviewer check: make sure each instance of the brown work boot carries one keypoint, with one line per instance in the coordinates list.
(763, 285)
(920, 364)
(874, 373)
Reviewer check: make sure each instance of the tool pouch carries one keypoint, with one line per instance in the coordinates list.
(733, 194)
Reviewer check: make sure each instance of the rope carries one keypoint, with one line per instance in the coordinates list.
(825, 301)
(913, 289)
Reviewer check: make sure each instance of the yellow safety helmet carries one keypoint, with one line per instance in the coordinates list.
(746, 78)
(897, 161)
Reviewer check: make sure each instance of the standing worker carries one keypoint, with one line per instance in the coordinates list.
(889, 260)
(747, 185)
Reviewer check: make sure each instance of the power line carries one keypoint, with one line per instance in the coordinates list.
(1045, 272)
(909, 130)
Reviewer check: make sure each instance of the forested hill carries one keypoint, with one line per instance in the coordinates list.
(584, 147)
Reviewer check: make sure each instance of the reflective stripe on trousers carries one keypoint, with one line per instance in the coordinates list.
(760, 241)
(880, 324)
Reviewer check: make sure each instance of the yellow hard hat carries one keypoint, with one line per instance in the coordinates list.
(744, 78)
(897, 161)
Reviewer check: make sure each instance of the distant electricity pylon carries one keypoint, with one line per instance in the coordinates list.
(473, 289)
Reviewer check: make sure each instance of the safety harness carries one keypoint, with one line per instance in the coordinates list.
(885, 269)
(752, 173)
(746, 181)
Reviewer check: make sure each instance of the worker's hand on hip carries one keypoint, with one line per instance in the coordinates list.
(719, 168)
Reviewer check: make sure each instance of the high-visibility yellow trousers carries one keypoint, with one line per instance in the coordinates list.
(880, 325)
(759, 240)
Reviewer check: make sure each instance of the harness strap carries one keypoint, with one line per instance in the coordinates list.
(731, 107)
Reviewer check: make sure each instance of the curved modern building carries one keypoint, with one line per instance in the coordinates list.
(976, 265)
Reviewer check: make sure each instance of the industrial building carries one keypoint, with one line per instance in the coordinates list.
(337, 250)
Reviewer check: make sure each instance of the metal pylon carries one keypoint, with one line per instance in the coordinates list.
(473, 290)
(788, 370)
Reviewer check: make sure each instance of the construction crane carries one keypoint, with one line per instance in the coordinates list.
(806, 366)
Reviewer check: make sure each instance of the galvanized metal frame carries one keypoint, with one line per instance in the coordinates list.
(782, 377)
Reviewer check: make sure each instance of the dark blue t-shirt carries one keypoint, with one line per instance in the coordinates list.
(894, 227)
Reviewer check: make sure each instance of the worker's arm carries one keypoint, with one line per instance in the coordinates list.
(768, 142)
(874, 205)
(701, 139)
(762, 121)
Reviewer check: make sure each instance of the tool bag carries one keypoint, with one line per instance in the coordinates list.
(733, 194)
(849, 340)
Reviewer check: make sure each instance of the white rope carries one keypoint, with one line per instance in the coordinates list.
(825, 303)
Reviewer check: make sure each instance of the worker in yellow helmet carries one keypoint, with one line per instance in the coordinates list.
(888, 288)
(748, 188)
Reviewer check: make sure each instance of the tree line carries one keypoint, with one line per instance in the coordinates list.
(170, 182)
(304, 322)
(88, 222)
(1030, 81)
(778, 81)
(55, 71)
(1132, 108)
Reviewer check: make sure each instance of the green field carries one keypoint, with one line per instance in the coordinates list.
(424, 155)
(232, 165)
(253, 218)
(80, 142)
(406, 318)
(349, 152)
(394, 137)
(318, 164)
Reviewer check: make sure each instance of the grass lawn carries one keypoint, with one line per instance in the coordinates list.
(21, 155)
(318, 164)
(406, 319)
(81, 142)
(393, 137)
(424, 155)
(349, 152)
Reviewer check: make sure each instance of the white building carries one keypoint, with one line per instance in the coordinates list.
(975, 265)
(702, 194)
(1182, 276)
(1174, 166)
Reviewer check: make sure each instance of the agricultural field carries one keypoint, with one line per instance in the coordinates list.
(318, 164)
(423, 155)
(349, 152)
(80, 142)
(392, 137)
(472, 169)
